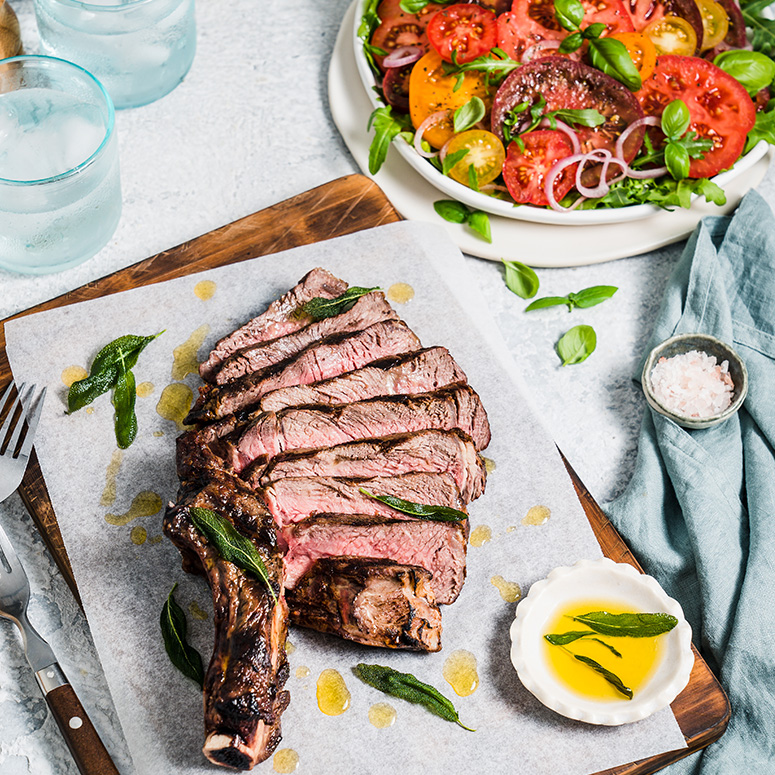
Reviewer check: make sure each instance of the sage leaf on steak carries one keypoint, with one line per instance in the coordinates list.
(612, 678)
(320, 307)
(520, 279)
(124, 395)
(406, 687)
(173, 630)
(631, 625)
(419, 510)
(231, 544)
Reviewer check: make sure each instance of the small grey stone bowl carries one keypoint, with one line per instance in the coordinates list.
(683, 343)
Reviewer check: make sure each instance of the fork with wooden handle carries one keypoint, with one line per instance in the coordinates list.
(85, 745)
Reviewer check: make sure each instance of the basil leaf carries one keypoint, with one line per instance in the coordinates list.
(753, 69)
(419, 510)
(406, 687)
(569, 14)
(480, 223)
(125, 419)
(631, 625)
(469, 114)
(564, 638)
(387, 126)
(593, 31)
(612, 679)
(572, 43)
(675, 119)
(173, 631)
(451, 159)
(231, 544)
(547, 301)
(590, 297)
(451, 211)
(520, 279)
(413, 6)
(576, 345)
(611, 57)
(582, 116)
(320, 307)
(473, 178)
(677, 161)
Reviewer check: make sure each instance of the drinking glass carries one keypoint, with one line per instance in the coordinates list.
(60, 191)
(139, 49)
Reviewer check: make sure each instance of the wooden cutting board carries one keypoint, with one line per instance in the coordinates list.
(341, 207)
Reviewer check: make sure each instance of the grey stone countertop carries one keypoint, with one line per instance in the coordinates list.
(249, 127)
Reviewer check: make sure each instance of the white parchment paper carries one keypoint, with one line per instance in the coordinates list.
(124, 585)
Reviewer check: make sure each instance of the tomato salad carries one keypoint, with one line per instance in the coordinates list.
(573, 103)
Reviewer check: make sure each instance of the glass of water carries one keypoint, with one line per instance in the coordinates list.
(60, 191)
(139, 49)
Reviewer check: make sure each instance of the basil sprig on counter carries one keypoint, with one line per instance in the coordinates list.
(576, 345)
(406, 687)
(231, 544)
(456, 212)
(320, 307)
(627, 624)
(520, 279)
(112, 369)
(173, 631)
(589, 297)
(419, 510)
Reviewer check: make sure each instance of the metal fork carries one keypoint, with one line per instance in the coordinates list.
(85, 745)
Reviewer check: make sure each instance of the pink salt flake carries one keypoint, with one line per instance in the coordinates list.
(692, 384)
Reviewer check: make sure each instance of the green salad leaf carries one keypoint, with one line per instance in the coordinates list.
(387, 126)
(469, 114)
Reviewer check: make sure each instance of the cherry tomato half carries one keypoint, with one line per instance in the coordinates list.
(525, 171)
(719, 107)
(646, 12)
(485, 154)
(641, 51)
(466, 30)
(672, 35)
(715, 23)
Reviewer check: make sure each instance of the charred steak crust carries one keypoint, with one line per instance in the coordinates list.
(370, 601)
(279, 319)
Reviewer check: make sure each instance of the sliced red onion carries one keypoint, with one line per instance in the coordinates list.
(645, 121)
(404, 55)
(485, 189)
(537, 48)
(563, 127)
(552, 176)
(601, 189)
(423, 128)
(656, 172)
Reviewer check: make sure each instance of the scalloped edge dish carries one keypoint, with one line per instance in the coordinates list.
(495, 206)
(617, 582)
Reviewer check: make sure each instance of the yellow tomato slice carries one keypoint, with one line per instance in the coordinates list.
(715, 23)
(641, 50)
(431, 91)
(485, 154)
(672, 35)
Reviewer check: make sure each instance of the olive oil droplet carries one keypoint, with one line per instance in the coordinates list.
(382, 715)
(510, 590)
(205, 290)
(332, 693)
(109, 493)
(489, 464)
(400, 293)
(285, 761)
(480, 535)
(158, 434)
(537, 515)
(289, 647)
(302, 671)
(460, 672)
(196, 611)
(138, 535)
(175, 403)
(144, 389)
(74, 374)
(145, 504)
(185, 360)
(153, 540)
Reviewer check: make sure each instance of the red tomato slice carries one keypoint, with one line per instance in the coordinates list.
(466, 30)
(525, 171)
(645, 12)
(401, 29)
(719, 107)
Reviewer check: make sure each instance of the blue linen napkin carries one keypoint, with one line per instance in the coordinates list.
(699, 512)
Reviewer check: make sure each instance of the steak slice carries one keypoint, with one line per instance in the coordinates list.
(369, 309)
(369, 601)
(430, 451)
(279, 319)
(324, 426)
(417, 372)
(322, 360)
(243, 687)
(439, 547)
(291, 500)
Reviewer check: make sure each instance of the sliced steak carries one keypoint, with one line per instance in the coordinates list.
(281, 318)
(291, 500)
(369, 601)
(417, 372)
(369, 309)
(243, 687)
(324, 426)
(430, 451)
(439, 547)
(332, 356)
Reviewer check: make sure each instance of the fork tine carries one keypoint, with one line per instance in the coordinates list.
(6, 394)
(17, 431)
(11, 558)
(4, 431)
(32, 423)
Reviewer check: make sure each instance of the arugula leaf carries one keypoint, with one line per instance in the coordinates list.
(469, 114)
(520, 279)
(632, 625)
(580, 116)
(456, 212)
(173, 630)
(419, 510)
(496, 66)
(576, 345)
(763, 129)
(387, 126)
(369, 22)
(762, 36)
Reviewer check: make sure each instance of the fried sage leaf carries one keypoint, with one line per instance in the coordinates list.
(231, 544)
(419, 510)
(630, 625)
(320, 307)
(173, 630)
(612, 678)
(564, 638)
(124, 395)
(406, 687)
